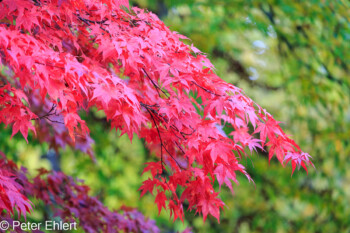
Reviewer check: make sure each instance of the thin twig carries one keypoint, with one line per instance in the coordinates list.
(155, 85)
(160, 138)
(49, 65)
(206, 89)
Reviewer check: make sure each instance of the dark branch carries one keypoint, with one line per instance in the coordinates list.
(155, 85)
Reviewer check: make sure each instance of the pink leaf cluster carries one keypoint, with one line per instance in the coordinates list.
(78, 55)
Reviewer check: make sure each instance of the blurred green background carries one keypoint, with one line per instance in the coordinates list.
(292, 57)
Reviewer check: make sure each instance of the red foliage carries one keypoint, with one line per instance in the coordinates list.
(74, 55)
(11, 197)
(69, 200)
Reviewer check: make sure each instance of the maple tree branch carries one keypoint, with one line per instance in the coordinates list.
(91, 21)
(154, 105)
(132, 22)
(49, 65)
(88, 22)
(7, 24)
(84, 20)
(37, 2)
(173, 127)
(203, 88)
(161, 141)
(155, 85)
(51, 112)
(174, 158)
(179, 147)
(160, 138)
